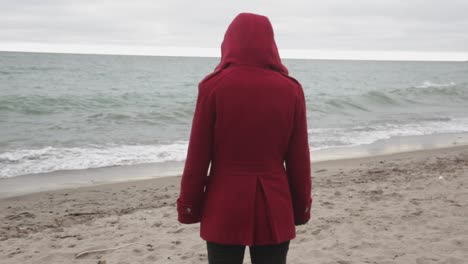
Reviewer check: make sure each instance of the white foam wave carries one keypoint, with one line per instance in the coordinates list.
(429, 84)
(323, 138)
(29, 161)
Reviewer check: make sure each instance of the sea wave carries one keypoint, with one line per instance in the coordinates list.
(404, 99)
(439, 94)
(323, 138)
(48, 159)
(31, 161)
(429, 84)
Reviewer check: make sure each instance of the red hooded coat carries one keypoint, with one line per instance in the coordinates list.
(250, 125)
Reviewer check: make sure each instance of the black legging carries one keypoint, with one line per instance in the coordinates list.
(234, 254)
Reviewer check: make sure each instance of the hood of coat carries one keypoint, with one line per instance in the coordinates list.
(249, 40)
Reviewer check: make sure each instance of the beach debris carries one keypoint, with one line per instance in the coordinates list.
(149, 247)
(20, 216)
(102, 250)
(84, 213)
(16, 252)
(441, 177)
(66, 236)
(102, 262)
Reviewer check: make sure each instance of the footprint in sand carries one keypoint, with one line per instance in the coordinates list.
(329, 205)
(157, 224)
(426, 260)
(343, 262)
(151, 258)
(176, 231)
(452, 260)
(459, 243)
(301, 231)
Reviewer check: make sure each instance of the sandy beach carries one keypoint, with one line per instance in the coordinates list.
(401, 208)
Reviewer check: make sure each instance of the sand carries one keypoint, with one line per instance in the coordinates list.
(402, 208)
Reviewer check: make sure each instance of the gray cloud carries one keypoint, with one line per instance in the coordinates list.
(391, 25)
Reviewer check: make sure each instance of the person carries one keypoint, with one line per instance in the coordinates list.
(250, 130)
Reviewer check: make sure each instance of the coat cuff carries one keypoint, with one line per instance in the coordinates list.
(303, 216)
(187, 214)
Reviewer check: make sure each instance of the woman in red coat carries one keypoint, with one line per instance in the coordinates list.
(250, 128)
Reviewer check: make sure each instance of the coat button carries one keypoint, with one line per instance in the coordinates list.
(189, 210)
(307, 209)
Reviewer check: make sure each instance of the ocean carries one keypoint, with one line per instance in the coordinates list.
(71, 112)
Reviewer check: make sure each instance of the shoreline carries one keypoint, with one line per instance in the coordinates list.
(400, 208)
(65, 179)
(317, 167)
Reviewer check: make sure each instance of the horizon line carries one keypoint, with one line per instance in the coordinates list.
(304, 54)
(218, 57)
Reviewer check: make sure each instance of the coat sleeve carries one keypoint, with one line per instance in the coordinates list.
(298, 164)
(198, 159)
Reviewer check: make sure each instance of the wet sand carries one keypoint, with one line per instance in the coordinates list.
(402, 208)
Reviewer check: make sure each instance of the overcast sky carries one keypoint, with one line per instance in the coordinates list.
(360, 29)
